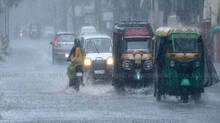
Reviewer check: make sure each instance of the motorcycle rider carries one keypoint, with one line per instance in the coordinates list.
(78, 56)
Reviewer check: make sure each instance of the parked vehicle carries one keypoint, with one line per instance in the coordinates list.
(98, 62)
(132, 51)
(34, 31)
(181, 64)
(61, 46)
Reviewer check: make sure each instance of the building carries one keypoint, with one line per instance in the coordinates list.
(186, 12)
(212, 11)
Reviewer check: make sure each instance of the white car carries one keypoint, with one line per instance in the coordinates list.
(98, 61)
(88, 30)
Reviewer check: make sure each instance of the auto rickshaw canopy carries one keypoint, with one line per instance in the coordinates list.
(167, 31)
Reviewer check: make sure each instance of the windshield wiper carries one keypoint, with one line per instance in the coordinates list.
(95, 48)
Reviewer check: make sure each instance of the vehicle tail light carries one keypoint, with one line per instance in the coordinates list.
(55, 41)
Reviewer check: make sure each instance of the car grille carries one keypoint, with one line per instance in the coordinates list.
(99, 64)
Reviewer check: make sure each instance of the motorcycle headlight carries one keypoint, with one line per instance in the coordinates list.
(87, 62)
(110, 61)
(66, 55)
(172, 64)
(21, 34)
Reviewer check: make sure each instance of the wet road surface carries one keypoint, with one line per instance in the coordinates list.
(33, 89)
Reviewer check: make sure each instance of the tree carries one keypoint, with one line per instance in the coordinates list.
(11, 3)
(5, 6)
(188, 11)
(8, 4)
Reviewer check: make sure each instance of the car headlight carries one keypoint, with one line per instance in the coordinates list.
(172, 64)
(66, 55)
(87, 62)
(110, 61)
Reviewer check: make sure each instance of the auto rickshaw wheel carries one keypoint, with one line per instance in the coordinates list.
(158, 96)
(185, 95)
(155, 81)
(155, 89)
(185, 98)
(118, 85)
(157, 92)
(196, 97)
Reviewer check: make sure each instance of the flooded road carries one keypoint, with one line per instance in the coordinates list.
(33, 89)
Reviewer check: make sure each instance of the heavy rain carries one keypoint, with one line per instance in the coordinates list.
(109, 61)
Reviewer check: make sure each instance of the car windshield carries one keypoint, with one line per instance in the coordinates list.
(98, 45)
(184, 45)
(138, 44)
(66, 38)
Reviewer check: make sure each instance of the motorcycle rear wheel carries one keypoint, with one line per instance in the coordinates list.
(77, 84)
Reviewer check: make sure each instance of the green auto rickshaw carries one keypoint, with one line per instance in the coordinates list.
(181, 66)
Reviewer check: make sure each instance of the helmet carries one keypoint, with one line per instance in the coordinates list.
(77, 42)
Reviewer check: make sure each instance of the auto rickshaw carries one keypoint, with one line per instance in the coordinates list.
(181, 65)
(132, 54)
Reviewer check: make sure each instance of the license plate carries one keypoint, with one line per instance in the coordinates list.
(138, 75)
(79, 74)
(99, 71)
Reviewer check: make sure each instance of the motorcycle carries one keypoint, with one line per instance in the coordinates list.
(79, 78)
(21, 34)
